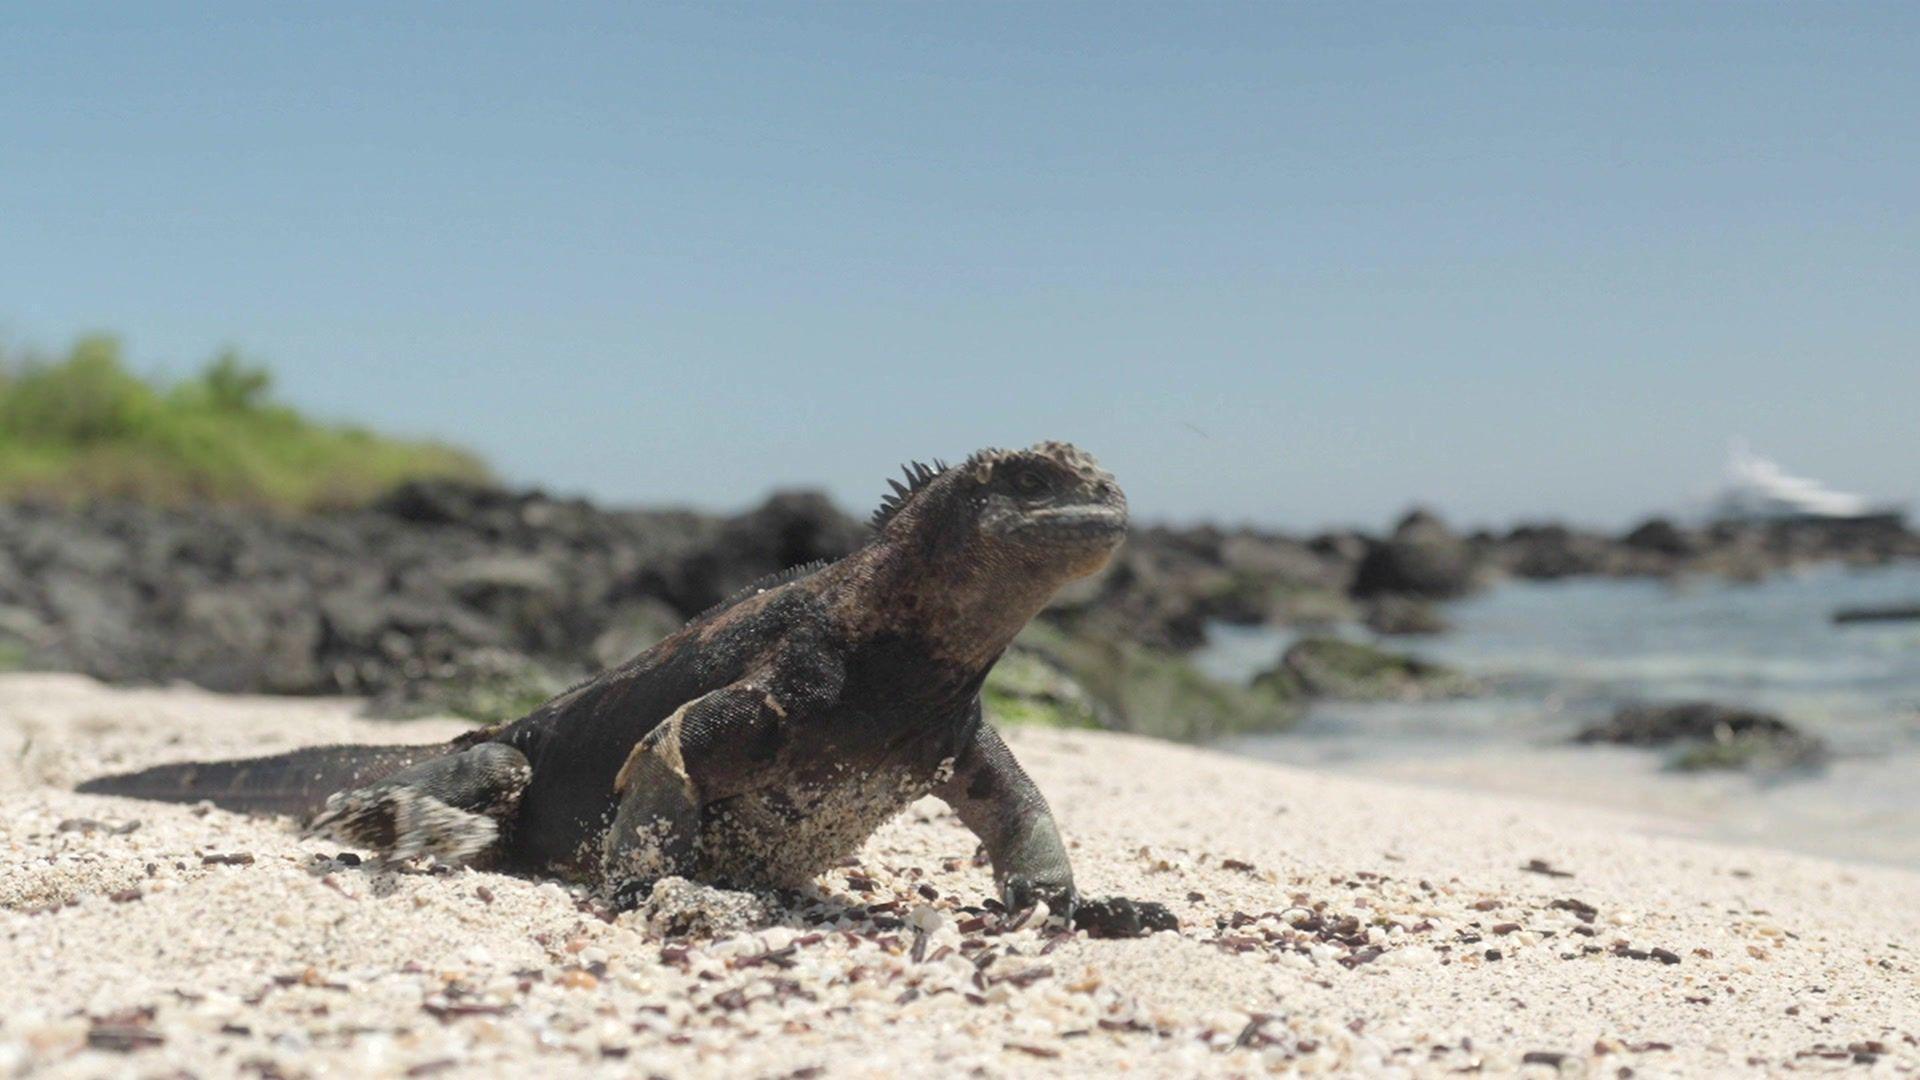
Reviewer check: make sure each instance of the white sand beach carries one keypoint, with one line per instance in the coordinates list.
(1329, 926)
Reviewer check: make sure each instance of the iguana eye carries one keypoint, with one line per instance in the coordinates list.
(1029, 482)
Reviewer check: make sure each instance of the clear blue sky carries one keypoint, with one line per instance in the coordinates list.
(1290, 263)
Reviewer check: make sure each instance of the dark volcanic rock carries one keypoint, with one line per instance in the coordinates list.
(456, 581)
(443, 502)
(1662, 537)
(1710, 735)
(1401, 616)
(1323, 667)
(1885, 613)
(631, 628)
(1555, 551)
(1122, 684)
(789, 529)
(1342, 547)
(1154, 588)
(1423, 558)
(1663, 725)
(487, 685)
(1166, 585)
(1737, 551)
(438, 582)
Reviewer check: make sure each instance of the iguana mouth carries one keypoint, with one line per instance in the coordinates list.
(1090, 525)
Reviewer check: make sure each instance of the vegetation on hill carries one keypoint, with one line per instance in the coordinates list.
(84, 427)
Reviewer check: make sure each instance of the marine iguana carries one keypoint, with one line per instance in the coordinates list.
(769, 737)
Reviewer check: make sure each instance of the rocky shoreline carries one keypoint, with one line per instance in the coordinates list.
(1170, 583)
(447, 597)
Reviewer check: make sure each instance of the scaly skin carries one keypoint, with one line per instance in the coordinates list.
(767, 739)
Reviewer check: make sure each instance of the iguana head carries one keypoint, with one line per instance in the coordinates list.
(1049, 512)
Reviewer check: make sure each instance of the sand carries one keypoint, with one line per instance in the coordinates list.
(1329, 926)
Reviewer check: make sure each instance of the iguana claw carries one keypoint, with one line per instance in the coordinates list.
(1021, 893)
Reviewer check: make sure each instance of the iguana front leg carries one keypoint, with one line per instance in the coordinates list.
(995, 798)
(998, 801)
(707, 749)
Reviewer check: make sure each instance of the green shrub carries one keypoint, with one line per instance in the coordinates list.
(88, 398)
(84, 427)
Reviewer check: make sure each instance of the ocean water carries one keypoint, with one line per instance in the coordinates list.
(1557, 655)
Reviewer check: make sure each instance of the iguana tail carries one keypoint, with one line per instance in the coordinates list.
(295, 783)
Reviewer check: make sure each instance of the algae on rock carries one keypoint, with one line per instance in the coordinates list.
(1149, 691)
(1324, 667)
(1029, 687)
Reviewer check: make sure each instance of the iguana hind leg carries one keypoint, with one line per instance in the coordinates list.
(450, 807)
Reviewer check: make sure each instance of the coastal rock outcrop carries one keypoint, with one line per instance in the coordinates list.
(437, 582)
(1070, 679)
(1325, 667)
(1166, 585)
(441, 580)
(1878, 613)
(1423, 559)
(1403, 616)
(1709, 736)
